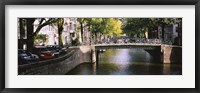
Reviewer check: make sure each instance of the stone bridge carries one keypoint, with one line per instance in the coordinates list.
(160, 52)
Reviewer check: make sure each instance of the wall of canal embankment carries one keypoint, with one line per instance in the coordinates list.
(60, 65)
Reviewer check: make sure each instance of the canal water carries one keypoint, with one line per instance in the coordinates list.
(126, 62)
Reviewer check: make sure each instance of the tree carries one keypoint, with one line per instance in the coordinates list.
(81, 21)
(139, 26)
(44, 22)
(112, 26)
(30, 27)
(30, 36)
(40, 38)
(106, 26)
(93, 26)
(96, 27)
(60, 22)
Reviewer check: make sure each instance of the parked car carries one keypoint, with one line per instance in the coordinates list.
(43, 52)
(54, 51)
(57, 48)
(62, 50)
(25, 57)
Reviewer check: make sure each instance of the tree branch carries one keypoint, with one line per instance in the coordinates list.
(48, 22)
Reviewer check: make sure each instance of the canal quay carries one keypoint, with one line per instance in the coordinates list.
(99, 46)
(115, 59)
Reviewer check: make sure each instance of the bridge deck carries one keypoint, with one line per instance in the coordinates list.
(147, 46)
(129, 44)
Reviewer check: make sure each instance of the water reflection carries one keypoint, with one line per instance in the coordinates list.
(126, 62)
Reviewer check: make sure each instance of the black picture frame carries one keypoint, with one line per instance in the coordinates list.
(3, 3)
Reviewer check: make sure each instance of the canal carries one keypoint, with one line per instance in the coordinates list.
(126, 62)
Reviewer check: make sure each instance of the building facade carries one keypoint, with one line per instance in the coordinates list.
(168, 36)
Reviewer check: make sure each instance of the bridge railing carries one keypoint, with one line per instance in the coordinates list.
(154, 41)
(136, 41)
(128, 41)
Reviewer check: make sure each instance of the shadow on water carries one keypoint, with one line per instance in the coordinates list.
(126, 62)
(153, 69)
(83, 69)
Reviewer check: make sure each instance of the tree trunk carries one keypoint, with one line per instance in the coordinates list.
(158, 33)
(30, 37)
(82, 36)
(95, 37)
(60, 36)
(163, 31)
(90, 38)
(60, 40)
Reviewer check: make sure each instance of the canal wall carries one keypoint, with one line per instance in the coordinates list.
(61, 65)
(171, 54)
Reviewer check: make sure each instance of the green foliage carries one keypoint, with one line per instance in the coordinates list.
(113, 26)
(100, 26)
(138, 26)
(60, 22)
(165, 21)
(106, 26)
(75, 42)
(39, 38)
